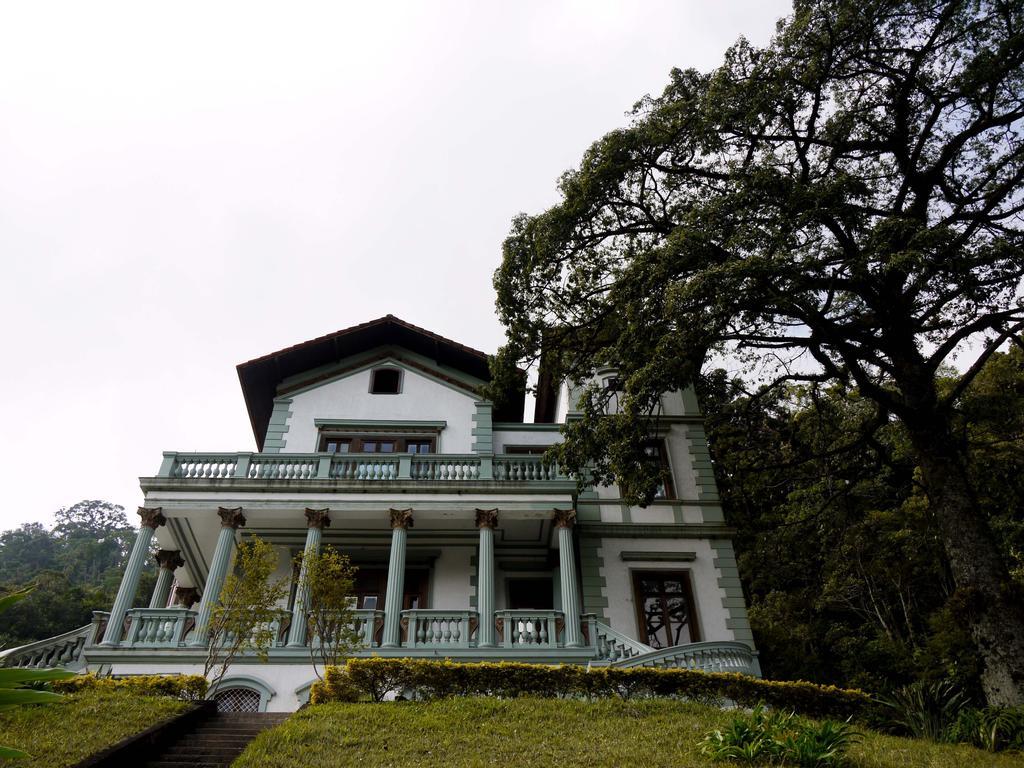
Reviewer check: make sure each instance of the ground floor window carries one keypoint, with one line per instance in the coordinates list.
(665, 608)
(238, 700)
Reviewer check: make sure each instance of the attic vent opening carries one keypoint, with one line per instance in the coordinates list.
(385, 381)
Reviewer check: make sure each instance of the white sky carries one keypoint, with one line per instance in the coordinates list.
(186, 186)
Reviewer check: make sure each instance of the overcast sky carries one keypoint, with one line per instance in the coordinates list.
(186, 186)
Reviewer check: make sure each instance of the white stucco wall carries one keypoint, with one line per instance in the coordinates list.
(421, 399)
(450, 587)
(282, 679)
(707, 595)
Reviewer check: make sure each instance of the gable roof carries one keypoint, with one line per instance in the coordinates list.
(261, 377)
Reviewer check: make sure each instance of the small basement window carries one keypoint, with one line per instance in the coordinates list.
(385, 381)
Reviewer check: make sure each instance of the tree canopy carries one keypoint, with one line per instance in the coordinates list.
(840, 208)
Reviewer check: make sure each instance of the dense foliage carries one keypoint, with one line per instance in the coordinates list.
(76, 568)
(776, 737)
(840, 208)
(187, 687)
(379, 678)
(846, 577)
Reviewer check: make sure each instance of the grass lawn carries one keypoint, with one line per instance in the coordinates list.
(459, 733)
(64, 733)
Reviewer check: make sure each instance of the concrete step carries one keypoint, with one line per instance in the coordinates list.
(215, 742)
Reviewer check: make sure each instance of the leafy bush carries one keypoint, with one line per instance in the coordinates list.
(336, 685)
(187, 687)
(779, 738)
(924, 710)
(991, 728)
(378, 678)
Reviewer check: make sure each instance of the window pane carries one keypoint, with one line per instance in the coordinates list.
(387, 447)
(385, 381)
(369, 446)
(654, 618)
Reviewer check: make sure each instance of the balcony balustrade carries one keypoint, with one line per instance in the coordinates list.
(428, 633)
(361, 467)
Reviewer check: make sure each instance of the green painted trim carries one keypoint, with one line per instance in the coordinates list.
(244, 681)
(274, 440)
(657, 531)
(379, 424)
(733, 601)
(472, 580)
(662, 557)
(627, 513)
(690, 403)
(512, 426)
(593, 583)
(703, 472)
(483, 432)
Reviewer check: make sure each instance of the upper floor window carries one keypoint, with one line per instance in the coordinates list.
(376, 444)
(385, 381)
(655, 452)
(528, 450)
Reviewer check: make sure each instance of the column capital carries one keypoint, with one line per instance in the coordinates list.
(318, 518)
(186, 596)
(169, 559)
(564, 518)
(231, 518)
(152, 517)
(401, 518)
(487, 518)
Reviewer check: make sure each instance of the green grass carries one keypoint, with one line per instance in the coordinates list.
(82, 724)
(459, 733)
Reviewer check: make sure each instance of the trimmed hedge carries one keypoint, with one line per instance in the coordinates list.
(378, 678)
(188, 687)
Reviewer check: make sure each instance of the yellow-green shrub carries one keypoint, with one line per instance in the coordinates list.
(188, 687)
(376, 678)
(336, 686)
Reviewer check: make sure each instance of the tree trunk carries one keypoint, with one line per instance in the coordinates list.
(996, 617)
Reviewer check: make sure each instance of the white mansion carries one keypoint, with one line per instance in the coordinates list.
(469, 546)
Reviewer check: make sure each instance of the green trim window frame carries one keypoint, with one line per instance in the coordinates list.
(382, 443)
(666, 613)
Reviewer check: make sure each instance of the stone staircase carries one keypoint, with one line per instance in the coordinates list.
(215, 742)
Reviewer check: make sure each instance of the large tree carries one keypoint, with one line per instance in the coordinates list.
(839, 208)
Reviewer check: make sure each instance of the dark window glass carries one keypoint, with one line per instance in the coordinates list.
(665, 612)
(418, 446)
(654, 450)
(386, 446)
(385, 381)
(338, 446)
(527, 450)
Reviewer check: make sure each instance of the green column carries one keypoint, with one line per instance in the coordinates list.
(401, 519)
(565, 519)
(316, 521)
(486, 520)
(167, 561)
(230, 520)
(152, 518)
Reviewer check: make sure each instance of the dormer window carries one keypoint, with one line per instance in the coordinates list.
(385, 381)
